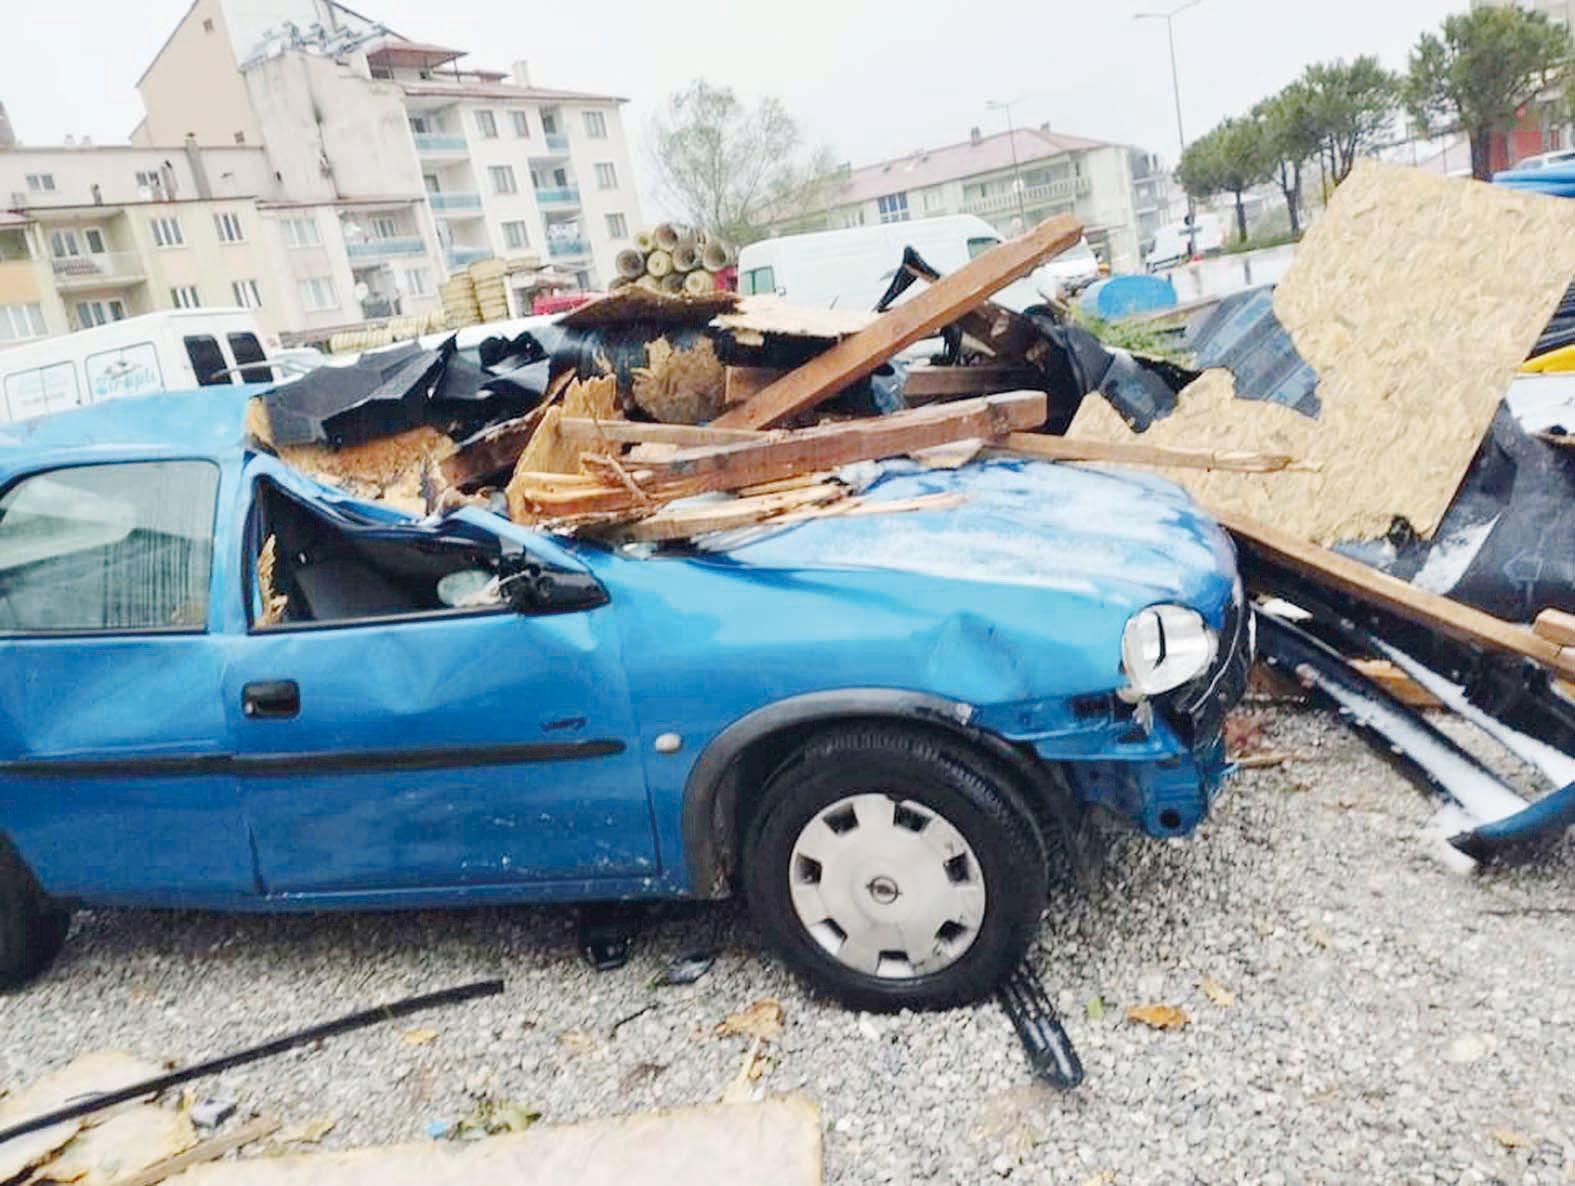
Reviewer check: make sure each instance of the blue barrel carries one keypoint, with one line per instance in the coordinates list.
(1122, 296)
(1558, 180)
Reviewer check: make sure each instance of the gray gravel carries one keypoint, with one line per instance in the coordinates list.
(1393, 1022)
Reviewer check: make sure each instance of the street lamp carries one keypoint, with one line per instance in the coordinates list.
(1011, 138)
(1175, 85)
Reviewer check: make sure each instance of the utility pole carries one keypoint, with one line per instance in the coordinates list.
(1011, 137)
(1175, 85)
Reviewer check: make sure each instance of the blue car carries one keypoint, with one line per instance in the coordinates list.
(229, 687)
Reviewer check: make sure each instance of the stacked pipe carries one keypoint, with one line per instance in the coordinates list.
(673, 258)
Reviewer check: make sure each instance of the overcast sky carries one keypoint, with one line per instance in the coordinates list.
(871, 80)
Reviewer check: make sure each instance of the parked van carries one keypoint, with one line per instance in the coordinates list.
(172, 350)
(850, 269)
(1172, 242)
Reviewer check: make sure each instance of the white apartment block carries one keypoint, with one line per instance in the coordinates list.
(1012, 181)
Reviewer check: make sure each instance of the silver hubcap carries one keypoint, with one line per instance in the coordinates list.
(887, 886)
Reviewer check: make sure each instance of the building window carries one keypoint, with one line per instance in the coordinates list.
(596, 125)
(934, 199)
(418, 282)
(487, 124)
(185, 296)
(207, 24)
(502, 179)
(91, 313)
(521, 124)
(41, 183)
(64, 244)
(893, 207)
(384, 227)
(229, 228)
(317, 293)
(94, 239)
(148, 179)
(549, 120)
(515, 235)
(247, 294)
(18, 323)
(617, 226)
(300, 232)
(167, 232)
(606, 175)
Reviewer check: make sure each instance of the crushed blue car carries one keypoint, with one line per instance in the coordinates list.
(227, 686)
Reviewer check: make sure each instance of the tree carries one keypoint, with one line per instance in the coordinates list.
(1476, 77)
(1231, 159)
(1292, 137)
(730, 168)
(1351, 106)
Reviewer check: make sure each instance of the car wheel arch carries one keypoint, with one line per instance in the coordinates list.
(744, 755)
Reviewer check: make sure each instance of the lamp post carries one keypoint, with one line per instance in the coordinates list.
(1011, 138)
(1175, 85)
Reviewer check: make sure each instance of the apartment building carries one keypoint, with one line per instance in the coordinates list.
(94, 234)
(1012, 180)
(346, 108)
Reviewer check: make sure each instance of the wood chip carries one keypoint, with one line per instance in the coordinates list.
(1217, 992)
(1159, 1017)
(762, 1019)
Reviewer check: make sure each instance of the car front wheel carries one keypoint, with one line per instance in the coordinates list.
(32, 929)
(895, 869)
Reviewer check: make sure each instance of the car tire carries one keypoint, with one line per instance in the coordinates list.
(850, 817)
(32, 928)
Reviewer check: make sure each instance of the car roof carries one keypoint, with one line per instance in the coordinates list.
(209, 421)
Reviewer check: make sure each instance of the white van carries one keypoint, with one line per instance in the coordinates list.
(850, 269)
(171, 350)
(1173, 241)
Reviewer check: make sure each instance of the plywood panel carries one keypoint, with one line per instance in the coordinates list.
(1415, 297)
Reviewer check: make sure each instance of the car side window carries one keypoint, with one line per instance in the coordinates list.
(117, 548)
(760, 280)
(207, 360)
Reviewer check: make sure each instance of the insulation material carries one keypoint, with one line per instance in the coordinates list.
(1414, 298)
(125, 1143)
(388, 468)
(679, 386)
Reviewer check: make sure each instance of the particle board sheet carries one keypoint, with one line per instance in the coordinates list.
(772, 315)
(1415, 298)
(638, 304)
(772, 1143)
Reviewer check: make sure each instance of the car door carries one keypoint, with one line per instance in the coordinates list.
(387, 742)
(114, 782)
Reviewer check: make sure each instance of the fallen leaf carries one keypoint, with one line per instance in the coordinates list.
(419, 1037)
(308, 1131)
(1095, 1009)
(1511, 1139)
(763, 1019)
(1217, 992)
(1321, 937)
(1159, 1017)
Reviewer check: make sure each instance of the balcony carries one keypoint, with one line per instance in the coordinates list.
(103, 270)
(440, 144)
(1056, 191)
(455, 202)
(382, 248)
(568, 248)
(563, 195)
(557, 142)
(461, 257)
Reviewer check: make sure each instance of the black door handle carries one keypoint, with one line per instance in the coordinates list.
(277, 698)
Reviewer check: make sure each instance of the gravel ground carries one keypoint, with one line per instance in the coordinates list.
(1392, 1021)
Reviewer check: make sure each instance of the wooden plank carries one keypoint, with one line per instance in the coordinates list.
(829, 445)
(1052, 448)
(741, 383)
(1378, 588)
(491, 452)
(938, 305)
(1397, 683)
(1556, 626)
(931, 382)
(210, 1150)
(579, 428)
(730, 514)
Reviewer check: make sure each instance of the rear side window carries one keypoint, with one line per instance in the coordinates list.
(979, 245)
(759, 280)
(207, 360)
(123, 547)
(247, 349)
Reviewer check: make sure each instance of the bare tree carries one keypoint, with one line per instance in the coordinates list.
(730, 168)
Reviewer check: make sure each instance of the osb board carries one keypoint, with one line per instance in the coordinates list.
(771, 315)
(88, 1074)
(122, 1145)
(633, 303)
(773, 1143)
(1415, 297)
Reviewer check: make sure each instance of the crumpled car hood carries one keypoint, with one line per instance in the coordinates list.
(1073, 529)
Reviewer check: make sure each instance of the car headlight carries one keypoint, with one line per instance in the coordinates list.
(1163, 647)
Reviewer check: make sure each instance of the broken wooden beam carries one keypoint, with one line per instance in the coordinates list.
(584, 429)
(1358, 580)
(1053, 448)
(827, 446)
(492, 452)
(1556, 626)
(931, 382)
(741, 383)
(728, 514)
(938, 305)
